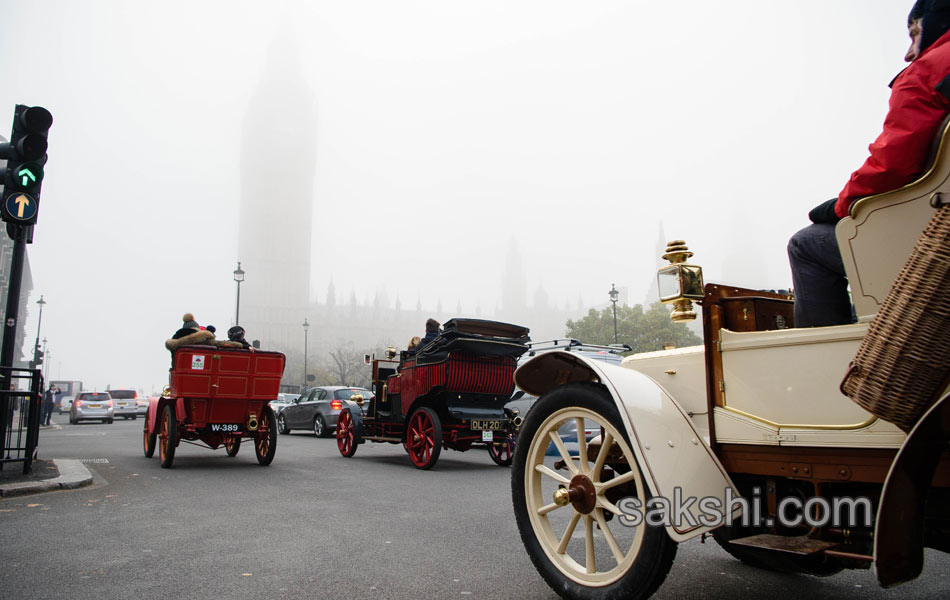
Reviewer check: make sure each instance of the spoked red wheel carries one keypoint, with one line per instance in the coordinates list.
(424, 438)
(502, 452)
(347, 437)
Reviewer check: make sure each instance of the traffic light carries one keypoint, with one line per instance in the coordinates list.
(39, 358)
(26, 156)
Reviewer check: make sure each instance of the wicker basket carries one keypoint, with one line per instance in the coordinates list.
(904, 360)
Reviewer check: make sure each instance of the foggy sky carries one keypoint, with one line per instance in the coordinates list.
(444, 130)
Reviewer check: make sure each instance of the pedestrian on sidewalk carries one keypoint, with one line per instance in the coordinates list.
(49, 399)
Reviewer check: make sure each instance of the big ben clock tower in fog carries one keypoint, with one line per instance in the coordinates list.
(278, 162)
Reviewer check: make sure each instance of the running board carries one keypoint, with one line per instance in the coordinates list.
(799, 545)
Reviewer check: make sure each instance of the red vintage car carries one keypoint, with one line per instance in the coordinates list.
(218, 397)
(451, 393)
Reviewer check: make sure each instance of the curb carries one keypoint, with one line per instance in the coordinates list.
(72, 474)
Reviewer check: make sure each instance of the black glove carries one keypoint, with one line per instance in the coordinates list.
(824, 213)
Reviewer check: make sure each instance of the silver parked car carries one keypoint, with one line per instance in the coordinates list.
(92, 406)
(283, 401)
(126, 405)
(318, 409)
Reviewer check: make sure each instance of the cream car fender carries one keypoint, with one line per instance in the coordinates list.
(676, 462)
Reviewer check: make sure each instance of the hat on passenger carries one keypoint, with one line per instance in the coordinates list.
(236, 333)
(935, 20)
(190, 322)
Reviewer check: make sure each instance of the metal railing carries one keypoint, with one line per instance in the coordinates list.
(20, 405)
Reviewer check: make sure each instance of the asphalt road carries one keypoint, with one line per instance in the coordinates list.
(317, 525)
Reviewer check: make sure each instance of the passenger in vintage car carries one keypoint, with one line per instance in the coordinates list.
(919, 103)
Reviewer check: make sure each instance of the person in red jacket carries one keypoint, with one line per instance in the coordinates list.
(920, 100)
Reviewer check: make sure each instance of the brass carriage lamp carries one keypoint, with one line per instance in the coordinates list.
(680, 283)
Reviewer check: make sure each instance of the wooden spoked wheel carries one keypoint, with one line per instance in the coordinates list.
(570, 496)
(149, 441)
(502, 452)
(265, 442)
(168, 438)
(232, 444)
(424, 438)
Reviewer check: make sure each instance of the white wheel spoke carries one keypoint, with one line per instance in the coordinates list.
(589, 539)
(548, 508)
(563, 451)
(606, 442)
(566, 538)
(544, 470)
(618, 553)
(581, 445)
(628, 476)
(608, 505)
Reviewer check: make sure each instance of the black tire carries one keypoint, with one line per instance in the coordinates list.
(232, 445)
(282, 425)
(168, 440)
(149, 441)
(651, 552)
(108, 421)
(265, 444)
(320, 428)
(424, 452)
(134, 417)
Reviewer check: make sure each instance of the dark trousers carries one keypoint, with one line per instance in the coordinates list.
(821, 287)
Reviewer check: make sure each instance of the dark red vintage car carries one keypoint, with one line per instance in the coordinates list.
(451, 393)
(217, 396)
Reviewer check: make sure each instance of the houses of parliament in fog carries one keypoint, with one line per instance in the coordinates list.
(275, 243)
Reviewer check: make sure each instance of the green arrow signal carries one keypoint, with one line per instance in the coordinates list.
(26, 176)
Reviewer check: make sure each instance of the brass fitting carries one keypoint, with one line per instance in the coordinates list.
(680, 283)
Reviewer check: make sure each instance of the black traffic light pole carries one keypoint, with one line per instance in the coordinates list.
(22, 180)
(18, 233)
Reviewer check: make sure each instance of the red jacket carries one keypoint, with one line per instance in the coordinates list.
(899, 154)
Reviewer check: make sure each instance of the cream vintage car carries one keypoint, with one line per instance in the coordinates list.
(747, 437)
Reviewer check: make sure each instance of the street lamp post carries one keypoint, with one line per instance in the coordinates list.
(45, 368)
(39, 323)
(238, 277)
(614, 295)
(306, 328)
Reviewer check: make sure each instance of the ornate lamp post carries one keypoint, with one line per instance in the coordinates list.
(614, 296)
(238, 277)
(306, 328)
(39, 323)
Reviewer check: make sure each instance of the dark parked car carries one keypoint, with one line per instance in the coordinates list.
(522, 402)
(318, 409)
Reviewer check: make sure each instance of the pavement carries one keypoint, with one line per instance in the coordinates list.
(47, 475)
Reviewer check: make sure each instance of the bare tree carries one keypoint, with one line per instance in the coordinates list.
(348, 368)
